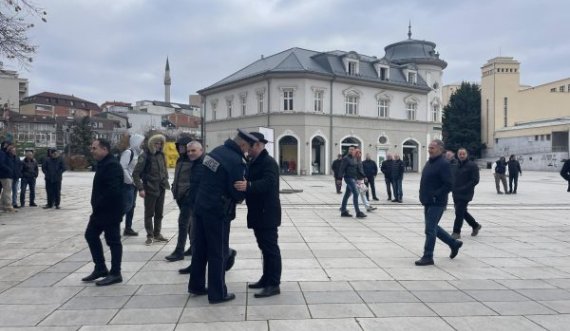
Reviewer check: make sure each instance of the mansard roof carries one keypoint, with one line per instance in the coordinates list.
(328, 64)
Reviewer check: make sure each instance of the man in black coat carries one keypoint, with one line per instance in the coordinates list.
(261, 189)
(514, 171)
(214, 209)
(53, 169)
(466, 177)
(336, 173)
(386, 169)
(435, 185)
(565, 172)
(30, 172)
(107, 203)
(370, 170)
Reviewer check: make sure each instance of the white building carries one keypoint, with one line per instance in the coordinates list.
(319, 103)
(12, 89)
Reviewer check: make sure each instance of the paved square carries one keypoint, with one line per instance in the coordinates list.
(338, 273)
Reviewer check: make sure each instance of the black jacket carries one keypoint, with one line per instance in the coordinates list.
(196, 173)
(17, 163)
(262, 194)
(397, 169)
(386, 168)
(436, 182)
(181, 183)
(370, 168)
(514, 168)
(30, 168)
(6, 165)
(107, 194)
(501, 167)
(336, 168)
(53, 169)
(466, 178)
(216, 198)
(565, 171)
(349, 167)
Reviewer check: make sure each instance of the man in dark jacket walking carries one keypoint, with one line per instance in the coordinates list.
(30, 172)
(107, 203)
(466, 177)
(370, 170)
(349, 171)
(386, 169)
(53, 169)
(565, 172)
(435, 185)
(514, 171)
(213, 210)
(336, 173)
(261, 189)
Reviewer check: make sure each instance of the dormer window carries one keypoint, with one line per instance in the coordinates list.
(412, 77)
(352, 68)
(383, 71)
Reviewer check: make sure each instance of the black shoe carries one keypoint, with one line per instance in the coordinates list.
(32, 205)
(228, 297)
(231, 259)
(499, 192)
(476, 230)
(514, 192)
(174, 257)
(57, 207)
(375, 199)
(256, 285)
(345, 214)
(455, 250)
(423, 262)
(16, 206)
(95, 274)
(399, 201)
(188, 251)
(360, 215)
(130, 232)
(110, 280)
(47, 207)
(184, 271)
(197, 293)
(268, 291)
(389, 199)
(395, 200)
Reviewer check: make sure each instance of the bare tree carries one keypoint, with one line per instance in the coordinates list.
(15, 21)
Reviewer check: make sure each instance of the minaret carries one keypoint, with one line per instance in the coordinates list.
(167, 82)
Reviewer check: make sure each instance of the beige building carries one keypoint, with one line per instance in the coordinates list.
(523, 120)
(12, 89)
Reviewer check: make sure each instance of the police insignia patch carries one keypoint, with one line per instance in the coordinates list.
(211, 163)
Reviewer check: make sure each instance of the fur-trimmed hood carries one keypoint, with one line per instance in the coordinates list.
(154, 139)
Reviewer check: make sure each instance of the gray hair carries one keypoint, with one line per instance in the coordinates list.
(439, 143)
(195, 143)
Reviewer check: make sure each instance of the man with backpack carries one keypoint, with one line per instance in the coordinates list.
(129, 158)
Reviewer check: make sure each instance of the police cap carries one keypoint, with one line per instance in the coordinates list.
(259, 137)
(247, 137)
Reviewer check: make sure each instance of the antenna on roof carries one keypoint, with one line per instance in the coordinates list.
(262, 57)
(410, 30)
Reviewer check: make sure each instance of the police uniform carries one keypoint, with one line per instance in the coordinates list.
(214, 209)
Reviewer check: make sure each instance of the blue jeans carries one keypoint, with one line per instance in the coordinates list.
(397, 187)
(432, 215)
(130, 198)
(350, 189)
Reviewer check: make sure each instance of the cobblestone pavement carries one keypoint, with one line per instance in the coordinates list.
(338, 273)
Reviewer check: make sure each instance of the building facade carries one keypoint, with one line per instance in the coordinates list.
(12, 89)
(530, 122)
(316, 104)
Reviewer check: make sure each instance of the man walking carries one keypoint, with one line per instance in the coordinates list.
(349, 171)
(466, 177)
(435, 185)
(397, 173)
(386, 169)
(53, 169)
(336, 173)
(514, 170)
(151, 179)
(214, 209)
(107, 205)
(30, 172)
(370, 170)
(180, 192)
(261, 189)
(129, 159)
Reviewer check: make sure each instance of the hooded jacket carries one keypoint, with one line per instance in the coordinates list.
(127, 163)
(181, 182)
(152, 178)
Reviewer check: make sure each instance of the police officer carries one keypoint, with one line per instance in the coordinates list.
(214, 209)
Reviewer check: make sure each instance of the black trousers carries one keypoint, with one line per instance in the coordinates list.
(388, 182)
(31, 183)
(338, 184)
(112, 230)
(184, 225)
(515, 179)
(53, 190)
(210, 247)
(461, 214)
(372, 187)
(267, 242)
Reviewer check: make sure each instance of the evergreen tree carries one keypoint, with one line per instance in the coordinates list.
(462, 120)
(81, 137)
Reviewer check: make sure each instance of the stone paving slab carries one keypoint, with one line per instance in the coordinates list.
(338, 273)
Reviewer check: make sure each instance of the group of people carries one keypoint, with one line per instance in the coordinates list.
(502, 169)
(16, 174)
(206, 188)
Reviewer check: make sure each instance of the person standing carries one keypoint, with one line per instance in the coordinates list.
(499, 172)
(565, 173)
(435, 185)
(370, 170)
(107, 203)
(151, 179)
(181, 193)
(397, 173)
(466, 177)
(261, 187)
(514, 170)
(6, 177)
(213, 210)
(336, 173)
(30, 172)
(362, 182)
(349, 171)
(386, 169)
(53, 169)
(17, 174)
(128, 160)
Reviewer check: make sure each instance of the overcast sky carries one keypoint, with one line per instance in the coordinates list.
(103, 50)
